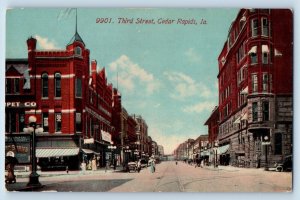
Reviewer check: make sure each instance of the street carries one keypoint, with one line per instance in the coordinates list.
(168, 177)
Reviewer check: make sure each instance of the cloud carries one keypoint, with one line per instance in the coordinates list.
(45, 43)
(185, 86)
(199, 107)
(192, 55)
(131, 75)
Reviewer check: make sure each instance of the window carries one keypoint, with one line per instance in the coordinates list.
(254, 83)
(254, 27)
(21, 121)
(58, 122)
(265, 82)
(265, 109)
(45, 85)
(254, 112)
(265, 27)
(10, 123)
(8, 85)
(278, 144)
(91, 128)
(265, 54)
(78, 87)
(91, 96)
(253, 54)
(78, 51)
(264, 58)
(78, 122)
(57, 85)
(16, 85)
(253, 57)
(45, 122)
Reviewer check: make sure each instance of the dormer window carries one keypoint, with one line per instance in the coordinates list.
(78, 51)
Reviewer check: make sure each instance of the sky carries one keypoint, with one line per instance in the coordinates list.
(167, 73)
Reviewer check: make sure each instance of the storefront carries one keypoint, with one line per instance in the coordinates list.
(223, 154)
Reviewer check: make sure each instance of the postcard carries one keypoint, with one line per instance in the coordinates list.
(149, 100)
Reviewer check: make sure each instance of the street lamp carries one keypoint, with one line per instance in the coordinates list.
(216, 154)
(266, 138)
(33, 129)
(136, 153)
(112, 147)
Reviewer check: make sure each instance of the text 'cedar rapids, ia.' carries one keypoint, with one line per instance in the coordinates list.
(163, 21)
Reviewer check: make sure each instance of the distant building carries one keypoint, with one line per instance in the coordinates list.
(142, 135)
(160, 150)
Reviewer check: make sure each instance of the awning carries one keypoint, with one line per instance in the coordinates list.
(243, 18)
(245, 90)
(265, 48)
(87, 151)
(204, 153)
(245, 116)
(277, 52)
(237, 121)
(44, 153)
(253, 50)
(223, 149)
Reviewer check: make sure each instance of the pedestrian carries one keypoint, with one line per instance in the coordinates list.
(139, 166)
(115, 164)
(106, 165)
(152, 166)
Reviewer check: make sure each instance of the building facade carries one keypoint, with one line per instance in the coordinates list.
(142, 136)
(256, 88)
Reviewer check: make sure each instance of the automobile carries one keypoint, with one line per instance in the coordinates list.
(131, 166)
(286, 165)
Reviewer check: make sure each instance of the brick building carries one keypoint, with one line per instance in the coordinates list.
(255, 88)
(142, 135)
(71, 102)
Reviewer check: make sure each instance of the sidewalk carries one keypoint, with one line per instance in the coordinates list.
(230, 168)
(25, 174)
(22, 186)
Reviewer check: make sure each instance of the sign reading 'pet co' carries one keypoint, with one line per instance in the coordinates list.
(17, 104)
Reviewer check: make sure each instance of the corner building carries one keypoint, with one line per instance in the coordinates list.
(72, 103)
(256, 88)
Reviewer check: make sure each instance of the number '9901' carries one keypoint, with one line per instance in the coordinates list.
(103, 20)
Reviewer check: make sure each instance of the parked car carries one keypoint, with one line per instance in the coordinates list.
(131, 166)
(286, 165)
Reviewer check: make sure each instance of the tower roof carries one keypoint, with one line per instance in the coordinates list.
(76, 38)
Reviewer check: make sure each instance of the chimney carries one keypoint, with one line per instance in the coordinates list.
(31, 44)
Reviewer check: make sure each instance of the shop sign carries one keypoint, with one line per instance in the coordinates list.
(106, 136)
(265, 143)
(19, 146)
(17, 104)
(88, 141)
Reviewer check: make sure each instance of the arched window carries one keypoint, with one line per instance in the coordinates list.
(78, 51)
(44, 85)
(57, 84)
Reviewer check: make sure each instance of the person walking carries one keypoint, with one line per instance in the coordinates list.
(139, 166)
(152, 166)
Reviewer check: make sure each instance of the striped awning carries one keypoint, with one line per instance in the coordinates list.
(56, 152)
(204, 153)
(223, 149)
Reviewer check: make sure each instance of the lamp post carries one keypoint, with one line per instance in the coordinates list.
(216, 154)
(112, 147)
(266, 138)
(33, 129)
(136, 153)
(127, 153)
